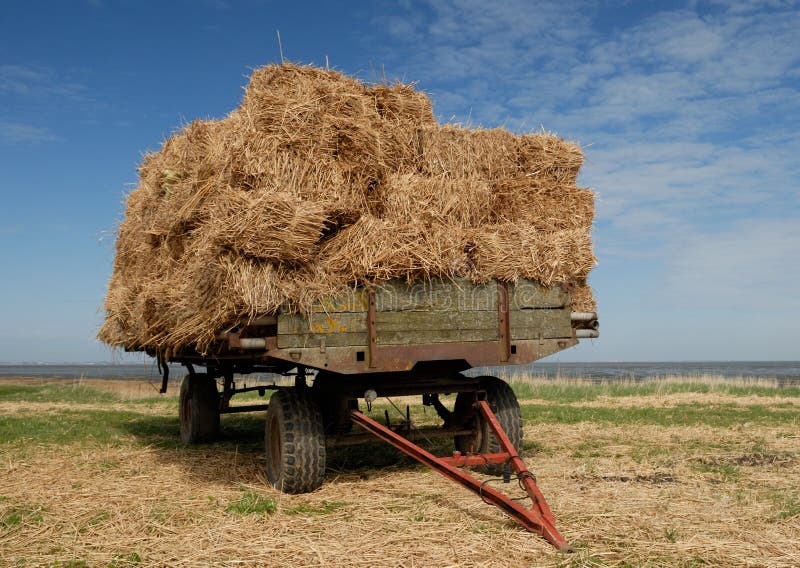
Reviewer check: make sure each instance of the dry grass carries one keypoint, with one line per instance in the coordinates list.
(318, 182)
(641, 494)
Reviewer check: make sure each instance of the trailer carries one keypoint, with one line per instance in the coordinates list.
(388, 340)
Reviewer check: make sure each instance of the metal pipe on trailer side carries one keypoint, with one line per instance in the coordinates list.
(583, 316)
(254, 343)
(585, 321)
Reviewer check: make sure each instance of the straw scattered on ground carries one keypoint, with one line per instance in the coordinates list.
(105, 482)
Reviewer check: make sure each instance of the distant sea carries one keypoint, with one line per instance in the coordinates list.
(785, 372)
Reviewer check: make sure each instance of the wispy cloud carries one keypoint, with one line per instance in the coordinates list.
(18, 133)
(30, 95)
(752, 263)
(39, 83)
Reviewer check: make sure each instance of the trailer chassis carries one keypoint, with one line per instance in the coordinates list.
(537, 519)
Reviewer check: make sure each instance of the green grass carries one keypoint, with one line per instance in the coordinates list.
(251, 503)
(722, 471)
(22, 514)
(95, 426)
(324, 508)
(575, 392)
(787, 505)
(123, 560)
(88, 426)
(55, 392)
(680, 415)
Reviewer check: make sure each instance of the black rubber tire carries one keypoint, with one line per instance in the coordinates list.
(198, 409)
(504, 404)
(294, 438)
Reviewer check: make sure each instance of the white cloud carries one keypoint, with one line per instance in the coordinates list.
(18, 133)
(754, 264)
(38, 83)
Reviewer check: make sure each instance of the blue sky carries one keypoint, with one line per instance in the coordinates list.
(689, 114)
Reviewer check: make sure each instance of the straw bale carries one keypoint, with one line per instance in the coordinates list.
(269, 226)
(582, 298)
(405, 112)
(510, 251)
(464, 202)
(546, 205)
(317, 113)
(374, 249)
(497, 154)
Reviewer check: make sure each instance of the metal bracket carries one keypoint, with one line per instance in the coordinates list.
(163, 367)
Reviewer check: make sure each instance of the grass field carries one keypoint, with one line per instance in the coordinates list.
(666, 473)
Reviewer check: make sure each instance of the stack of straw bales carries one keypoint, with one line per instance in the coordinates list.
(317, 183)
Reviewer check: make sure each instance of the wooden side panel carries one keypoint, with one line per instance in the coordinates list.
(438, 295)
(440, 311)
(540, 323)
(422, 337)
(405, 321)
(322, 339)
(407, 328)
(334, 322)
(350, 301)
(527, 294)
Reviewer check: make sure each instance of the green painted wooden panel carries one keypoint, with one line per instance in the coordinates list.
(529, 294)
(317, 339)
(440, 311)
(334, 322)
(422, 337)
(430, 321)
(351, 301)
(437, 295)
(549, 324)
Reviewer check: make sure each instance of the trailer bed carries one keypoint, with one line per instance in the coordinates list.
(395, 326)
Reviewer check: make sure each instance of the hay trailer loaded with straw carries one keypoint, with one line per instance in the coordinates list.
(392, 340)
(333, 231)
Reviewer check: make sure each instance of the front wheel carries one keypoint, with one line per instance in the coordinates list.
(295, 442)
(198, 409)
(504, 404)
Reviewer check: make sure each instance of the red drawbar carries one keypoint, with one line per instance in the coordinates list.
(538, 519)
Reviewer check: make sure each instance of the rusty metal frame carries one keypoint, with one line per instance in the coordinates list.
(504, 314)
(371, 330)
(389, 358)
(538, 519)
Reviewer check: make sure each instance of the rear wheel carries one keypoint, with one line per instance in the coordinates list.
(295, 442)
(198, 409)
(504, 404)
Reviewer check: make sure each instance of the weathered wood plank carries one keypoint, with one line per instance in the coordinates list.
(318, 339)
(423, 337)
(334, 322)
(437, 295)
(548, 324)
(351, 301)
(431, 321)
(528, 294)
